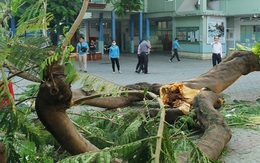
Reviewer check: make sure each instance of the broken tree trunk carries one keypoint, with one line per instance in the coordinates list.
(216, 131)
(217, 79)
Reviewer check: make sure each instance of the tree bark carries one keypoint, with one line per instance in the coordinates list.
(126, 98)
(2, 153)
(216, 131)
(53, 99)
(23, 74)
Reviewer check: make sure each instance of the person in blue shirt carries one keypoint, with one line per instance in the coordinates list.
(81, 50)
(175, 46)
(114, 55)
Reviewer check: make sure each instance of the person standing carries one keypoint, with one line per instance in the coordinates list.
(114, 55)
(175, 46)
(92, 50)
(138, 57)
(81, 50)
(216, 51)
(144, 50)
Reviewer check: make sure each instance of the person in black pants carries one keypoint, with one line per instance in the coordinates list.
(175, 46)
(138, 57)
(114, 55)
(216, 51)
(144, 49)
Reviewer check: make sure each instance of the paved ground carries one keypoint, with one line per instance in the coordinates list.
(244, 145)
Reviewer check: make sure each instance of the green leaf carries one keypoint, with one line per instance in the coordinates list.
(242, 47)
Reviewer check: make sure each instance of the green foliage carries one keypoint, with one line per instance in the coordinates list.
(4, 35)
(241, 113)
(92, 82)
(34, 24)
(64, 9)
(25, 138)
(28, 54)
(123, 6)
(126, 134)
(30, 91)
(131, 132)
(130, 135)
(255, 49)
(33, 17)
(242, 47)
(184, 123)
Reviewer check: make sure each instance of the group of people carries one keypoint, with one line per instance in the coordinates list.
(142, 53)
(82, 48)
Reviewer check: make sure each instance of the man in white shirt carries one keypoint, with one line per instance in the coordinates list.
(216, 51)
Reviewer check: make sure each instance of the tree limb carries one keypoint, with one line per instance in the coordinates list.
(216, 131)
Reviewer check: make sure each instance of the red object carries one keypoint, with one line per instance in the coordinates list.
(5, 101)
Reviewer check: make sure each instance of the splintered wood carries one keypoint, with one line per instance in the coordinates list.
(178, 95)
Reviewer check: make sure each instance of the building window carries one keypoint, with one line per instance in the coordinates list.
(250, 33)
(188, 34)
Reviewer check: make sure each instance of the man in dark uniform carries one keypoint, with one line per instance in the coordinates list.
(144, 49)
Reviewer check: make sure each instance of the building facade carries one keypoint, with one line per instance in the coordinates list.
(194, 22)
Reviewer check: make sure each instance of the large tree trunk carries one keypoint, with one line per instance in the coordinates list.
(53, 99)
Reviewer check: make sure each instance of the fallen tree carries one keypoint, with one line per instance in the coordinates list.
(55, 97)
(190, 92)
